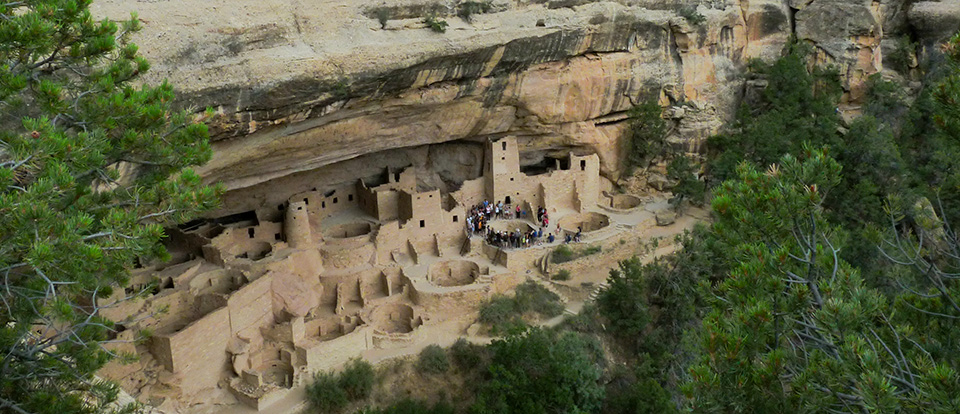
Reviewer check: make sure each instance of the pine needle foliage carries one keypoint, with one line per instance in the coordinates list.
(93, 164)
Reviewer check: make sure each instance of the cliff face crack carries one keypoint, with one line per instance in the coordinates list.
(792, 15)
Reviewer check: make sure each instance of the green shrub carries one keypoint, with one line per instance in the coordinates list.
(411, 406)
(586, 321)
(357, 379)
(542, 371)
(383, 15)
(901, 57)
(504, 315)
(563, 254)
(531, 296)
(591, 250)
(683, 170)
(433, 360)
(692, 15)
(647, 133)
(467, 355)
(468, 8)
(562, 275)
(325, 393)
(439, 26)
(497, 310)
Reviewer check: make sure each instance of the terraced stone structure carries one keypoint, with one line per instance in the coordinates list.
(256, 305)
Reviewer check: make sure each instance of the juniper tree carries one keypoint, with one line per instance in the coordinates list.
(92, 164)
(794, 328)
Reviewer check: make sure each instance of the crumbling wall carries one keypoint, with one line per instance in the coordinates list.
(197, 352)
(322, 204)
(328, 354)
(250, 308)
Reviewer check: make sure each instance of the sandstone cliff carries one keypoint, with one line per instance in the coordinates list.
(302, 85)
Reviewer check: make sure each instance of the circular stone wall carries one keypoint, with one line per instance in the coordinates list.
(511, 225)
(624, 201)
(393, 318)
(348, 230)
(587, 221)
(453, 273)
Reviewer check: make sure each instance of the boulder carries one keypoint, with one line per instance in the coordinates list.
(666, 217)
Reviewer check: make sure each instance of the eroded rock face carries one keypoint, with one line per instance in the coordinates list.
(301, 85)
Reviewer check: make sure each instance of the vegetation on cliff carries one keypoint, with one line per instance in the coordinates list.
(91, 166)
(827, 282)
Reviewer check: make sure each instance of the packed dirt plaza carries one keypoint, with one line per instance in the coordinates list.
(253, 303)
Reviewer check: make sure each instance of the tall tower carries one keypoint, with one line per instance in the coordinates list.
(503, 169)
(296, 225)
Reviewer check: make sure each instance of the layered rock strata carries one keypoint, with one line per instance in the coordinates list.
(299, 85)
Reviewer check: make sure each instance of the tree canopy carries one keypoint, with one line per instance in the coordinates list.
(92, 165)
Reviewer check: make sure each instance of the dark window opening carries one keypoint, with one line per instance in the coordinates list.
(246, 216)
(323, 204)
(396, 177)
(251, 232)
(511, 178)
(503, 158)
(349, 197)
(455, 219)
(423, 223)
(334, 200)
(306, 201)
(507, 200)
(544, 166)
(299, 208)
(280, 207)
(583, 165)
(277, 237)
(503, 145)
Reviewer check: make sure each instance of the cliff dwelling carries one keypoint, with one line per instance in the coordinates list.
(255, 305)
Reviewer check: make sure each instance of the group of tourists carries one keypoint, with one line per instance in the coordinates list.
(480, 215)
(517, 239)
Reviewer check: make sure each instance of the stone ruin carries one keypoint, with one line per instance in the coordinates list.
(255, 305)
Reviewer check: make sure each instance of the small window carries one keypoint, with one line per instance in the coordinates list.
(503, 145)
(583, 165)
(431, 195)
(455, 219)
(396, 177)
(306, 201)
(277, 237)
(349, 197)
(323, 204)
(251, 232)
(503, 158)
(511, 178)
(299, 208)
(423, 223)
(280, 207)
(334, 200)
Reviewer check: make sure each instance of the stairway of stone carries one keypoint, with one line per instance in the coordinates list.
(485, 279)
(596, 291)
